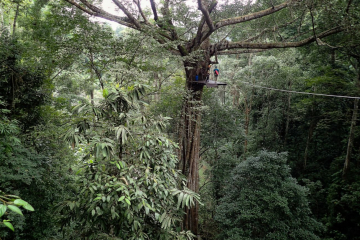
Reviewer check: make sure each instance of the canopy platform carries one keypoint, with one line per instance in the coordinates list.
(209, 83)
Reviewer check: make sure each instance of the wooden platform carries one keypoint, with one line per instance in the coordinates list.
(209, 83)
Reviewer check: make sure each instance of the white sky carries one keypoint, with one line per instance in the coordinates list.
(110, 7)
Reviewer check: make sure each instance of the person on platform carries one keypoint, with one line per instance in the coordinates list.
(216, 73)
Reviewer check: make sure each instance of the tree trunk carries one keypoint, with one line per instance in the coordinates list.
(92, 88)
(15, 18)
(189, 136)
(351, 136)
(248, 106)
(247, 122)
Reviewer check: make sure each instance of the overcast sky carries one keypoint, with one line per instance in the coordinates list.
(110, 7)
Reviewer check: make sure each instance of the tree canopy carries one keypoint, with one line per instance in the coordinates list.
(111, 131)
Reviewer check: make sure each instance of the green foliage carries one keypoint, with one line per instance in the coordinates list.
(263, 201)
(343, 206)
(126, 168)
(28, 149)
(12, 203)
(313, 130)
(23, 89)
(128, 183)
(25, 172)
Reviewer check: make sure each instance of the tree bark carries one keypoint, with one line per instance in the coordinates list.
(247, 122)
(189, 151)
(351, 136)
(15, 17)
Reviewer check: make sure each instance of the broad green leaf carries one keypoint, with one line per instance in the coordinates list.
(162, 217)
(140, 205)
(15, 209)
(121, 198)
(20, 202)
(29, 207)
(24, 204)
(9, 225)
(127, 201)
(105, 93)
(97, 198)
(181, 195)
(2, 209)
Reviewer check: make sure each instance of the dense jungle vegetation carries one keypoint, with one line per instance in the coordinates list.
(107, 130)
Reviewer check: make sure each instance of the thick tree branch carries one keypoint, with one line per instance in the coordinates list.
(199, 34)
(170, 26)
(80, 7)
(127, 13)
(252, 16)
(206, 15)
(153, 8)
(241, 51)
(166, 11)
(92, 7)
(313, 24)
(96, 12)
(248, 45)
(348, 6)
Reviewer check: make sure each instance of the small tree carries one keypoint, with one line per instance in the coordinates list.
(128, 185)
(263, 201)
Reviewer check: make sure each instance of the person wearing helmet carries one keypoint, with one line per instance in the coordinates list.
(216, 73)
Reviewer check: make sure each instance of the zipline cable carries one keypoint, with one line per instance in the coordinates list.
(307, 93)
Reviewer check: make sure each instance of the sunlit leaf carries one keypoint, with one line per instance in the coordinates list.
(9, 225)
(15, 209)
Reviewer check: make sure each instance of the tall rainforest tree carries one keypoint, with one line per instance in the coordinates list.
(199, 34)
(263, 201)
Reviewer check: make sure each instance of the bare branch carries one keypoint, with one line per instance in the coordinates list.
(206, 14)
(92, 7)
(252, 16)
(127, 13)
(248, 45)
(137, 2)
(348, 6)
(153, 8)
(241, 51)
(97, 12)
(166, 11)
(80, 7)
(313, 24)
(197, 40)
(166, 14)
